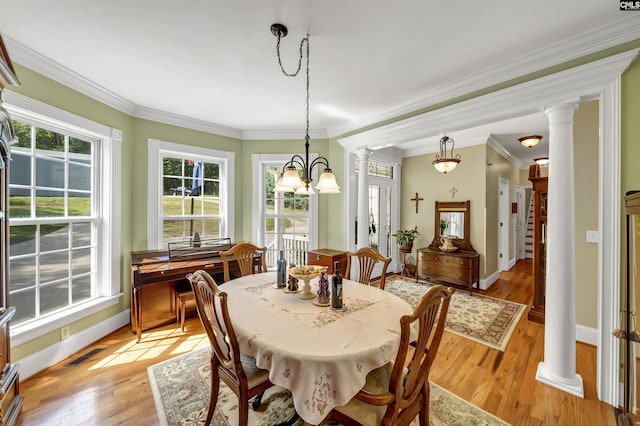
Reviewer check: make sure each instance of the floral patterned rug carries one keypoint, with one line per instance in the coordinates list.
(480, 318)
(181, 388)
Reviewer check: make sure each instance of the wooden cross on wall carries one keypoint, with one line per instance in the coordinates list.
(417, 200)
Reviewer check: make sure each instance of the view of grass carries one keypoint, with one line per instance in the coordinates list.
(19, 207)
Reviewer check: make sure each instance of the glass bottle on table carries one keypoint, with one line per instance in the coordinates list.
(323, 288)
(336, 287)
(281, 274)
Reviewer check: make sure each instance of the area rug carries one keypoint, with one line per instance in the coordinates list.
(480, 318)
(181, 389)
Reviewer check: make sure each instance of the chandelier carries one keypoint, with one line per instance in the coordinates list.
(443, 163)
(530, 141)
(290, 180)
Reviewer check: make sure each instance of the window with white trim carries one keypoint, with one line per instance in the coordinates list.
(189, 189)
(284, 220)
(62, 217)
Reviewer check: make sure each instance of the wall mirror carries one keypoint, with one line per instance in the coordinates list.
(452, 222)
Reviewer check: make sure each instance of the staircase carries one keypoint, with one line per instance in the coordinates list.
(528, 238)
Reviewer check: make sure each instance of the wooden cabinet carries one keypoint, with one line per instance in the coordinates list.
(539, 281)
(460, 268)
(630, 332)
(10, 399)
(326, 257)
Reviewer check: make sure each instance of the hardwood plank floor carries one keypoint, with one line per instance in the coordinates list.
(112, 386)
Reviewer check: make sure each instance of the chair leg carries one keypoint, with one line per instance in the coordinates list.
(424, 412)
(215, 388)
(243, 409)
(183, 313)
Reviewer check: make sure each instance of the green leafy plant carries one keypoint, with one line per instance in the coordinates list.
(406, 236)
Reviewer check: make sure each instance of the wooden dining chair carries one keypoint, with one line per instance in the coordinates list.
(245, 255)
(237, 370)
(367, 259)
(398, 391)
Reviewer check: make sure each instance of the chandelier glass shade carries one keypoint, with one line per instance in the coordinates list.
(530, 141)
(541, 161)
(296, 175)
(445, 162)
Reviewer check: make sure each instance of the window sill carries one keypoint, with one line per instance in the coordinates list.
(23, 333)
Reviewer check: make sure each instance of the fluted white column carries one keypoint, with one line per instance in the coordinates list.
(558, 369)
(363, 197)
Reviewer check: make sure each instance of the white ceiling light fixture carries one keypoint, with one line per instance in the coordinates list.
(530, 141)
(541, 161)
(443, 163)
(290, 180)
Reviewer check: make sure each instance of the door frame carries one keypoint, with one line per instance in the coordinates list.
(504, 224)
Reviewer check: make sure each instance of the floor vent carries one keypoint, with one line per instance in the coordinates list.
(85, 357)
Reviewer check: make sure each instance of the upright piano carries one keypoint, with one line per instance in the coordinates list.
(155, 273)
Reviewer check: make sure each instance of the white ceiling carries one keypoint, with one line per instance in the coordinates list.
(214, 61)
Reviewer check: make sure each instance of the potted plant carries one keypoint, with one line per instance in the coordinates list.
(405, 238)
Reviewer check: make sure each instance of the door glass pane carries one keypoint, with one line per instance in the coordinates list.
(387, 229)
(374, 216)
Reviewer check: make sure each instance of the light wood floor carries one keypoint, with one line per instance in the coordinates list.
(112, 386)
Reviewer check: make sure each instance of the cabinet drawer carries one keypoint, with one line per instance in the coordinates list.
(453, 268)
(447, 260)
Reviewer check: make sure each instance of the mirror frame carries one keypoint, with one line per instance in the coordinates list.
(463, 244)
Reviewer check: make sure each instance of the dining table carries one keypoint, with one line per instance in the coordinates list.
(322, 355)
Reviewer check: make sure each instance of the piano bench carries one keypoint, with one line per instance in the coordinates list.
(182, 294)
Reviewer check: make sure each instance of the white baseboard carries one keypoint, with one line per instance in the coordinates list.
(512, 263)
(51, 355)
(486, 282)
(587, 335)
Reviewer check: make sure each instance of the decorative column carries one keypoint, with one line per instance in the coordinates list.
(363, 197)
(559, 366)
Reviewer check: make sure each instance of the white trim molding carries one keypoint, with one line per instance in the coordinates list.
(32, 364)
(109, 201)
(154, 200)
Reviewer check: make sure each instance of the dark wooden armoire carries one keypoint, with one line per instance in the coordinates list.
(10, 399)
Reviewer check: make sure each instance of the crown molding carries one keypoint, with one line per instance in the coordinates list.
(186, 122)
(53, 70)
(290, 134)
(599, 39)
(526, 98)
(503, 152)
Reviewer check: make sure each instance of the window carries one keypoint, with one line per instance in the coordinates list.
(284, 220)
(62, 217)
(190, 191)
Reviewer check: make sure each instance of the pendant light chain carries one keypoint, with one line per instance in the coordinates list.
(289, 180)
(294, 74)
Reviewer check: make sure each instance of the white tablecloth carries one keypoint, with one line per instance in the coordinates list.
(320, 354)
